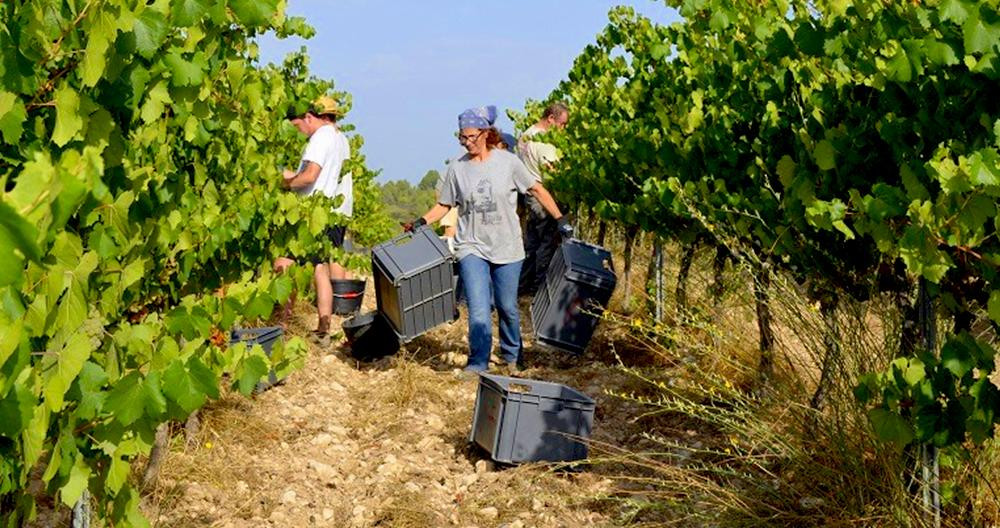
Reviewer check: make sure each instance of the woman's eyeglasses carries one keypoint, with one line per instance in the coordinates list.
(470, 138)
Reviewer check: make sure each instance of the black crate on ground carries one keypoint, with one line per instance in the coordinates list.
(265, 337)
(414, 282)
(370, 337)
(521, 420)
(578, 286)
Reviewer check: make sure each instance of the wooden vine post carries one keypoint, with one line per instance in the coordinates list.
(928, 460)
(762, 285)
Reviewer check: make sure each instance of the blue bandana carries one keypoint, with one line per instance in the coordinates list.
(482, 117)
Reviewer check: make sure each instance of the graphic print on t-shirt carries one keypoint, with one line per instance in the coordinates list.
(484, 203)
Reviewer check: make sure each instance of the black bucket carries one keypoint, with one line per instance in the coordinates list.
(347, 295)
(370, 336)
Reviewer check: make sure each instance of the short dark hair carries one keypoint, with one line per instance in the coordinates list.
(329, 117)
(555, 109)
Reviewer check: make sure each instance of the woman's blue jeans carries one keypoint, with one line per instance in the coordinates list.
(480, 278)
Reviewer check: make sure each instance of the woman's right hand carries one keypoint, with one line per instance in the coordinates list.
(408, 227)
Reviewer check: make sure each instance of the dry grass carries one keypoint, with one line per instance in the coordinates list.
(761, 455)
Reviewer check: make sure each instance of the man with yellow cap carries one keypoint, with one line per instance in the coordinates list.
(320, 172)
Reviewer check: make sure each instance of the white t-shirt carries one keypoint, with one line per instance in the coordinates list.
(328, 148)
(535, 154)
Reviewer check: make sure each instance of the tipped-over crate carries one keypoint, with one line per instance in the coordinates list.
(370, 337)
(522, 420)
(265, 337)
(578, 286)
(414, 282)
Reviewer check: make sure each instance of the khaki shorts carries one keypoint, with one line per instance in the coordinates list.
(450, 219)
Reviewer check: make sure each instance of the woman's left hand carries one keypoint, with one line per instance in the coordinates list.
(565, 228)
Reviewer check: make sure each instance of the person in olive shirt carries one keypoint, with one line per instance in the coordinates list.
(541, 234)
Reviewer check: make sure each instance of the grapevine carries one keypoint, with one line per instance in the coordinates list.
(140, 146)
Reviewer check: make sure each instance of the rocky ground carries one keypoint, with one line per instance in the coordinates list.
(345, 443)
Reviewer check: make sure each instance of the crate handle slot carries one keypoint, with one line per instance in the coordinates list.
(519, 388)
(550, 406)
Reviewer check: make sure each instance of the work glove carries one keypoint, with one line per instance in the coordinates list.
(410, 226)
(565, 228)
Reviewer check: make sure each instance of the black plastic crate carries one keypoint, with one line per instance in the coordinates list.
(521, 420)
(265, 337)
(414, 282)
(578, 286)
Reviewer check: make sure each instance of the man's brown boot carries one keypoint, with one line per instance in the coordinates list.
(322, 331)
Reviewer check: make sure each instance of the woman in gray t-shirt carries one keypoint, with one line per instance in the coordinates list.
(484, 184)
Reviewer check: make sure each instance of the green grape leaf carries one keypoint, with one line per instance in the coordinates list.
(150, 31)
(899, 67)
(891, 427)
(659, 51)
(841, 226)
(993, 306)
(155, 404)
(825, 155)
(127, 507)
(191, 324)
(254, 12)
(71, 492)
(16, 410)
(915, 190)
(179, 388)
(786, 170)
(281, 288)
(72, 309)
(125, 400)
(12, 117)
(252, 370)
(92, 378)
(33, 436)
(953, 10)
(133, 272)
(117, 475)
(956, 357)
(184, 72)
(99, 38)
(921, 255)
(940, 53)
(231, 310)
(68, 119)
(188, 12)
(259, 307)
(68, 366)
(914, 371)
(63, 442)
(984, 171)
(978, 37)
(156, 100)
(11, 264)
(203, 378)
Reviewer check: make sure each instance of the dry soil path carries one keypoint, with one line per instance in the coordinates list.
(343, 443)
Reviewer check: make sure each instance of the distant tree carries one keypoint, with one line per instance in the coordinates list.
(429, 181)
(404, 202)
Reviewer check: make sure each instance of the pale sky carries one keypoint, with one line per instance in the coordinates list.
(412, 67)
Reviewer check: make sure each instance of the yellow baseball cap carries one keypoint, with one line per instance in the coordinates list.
(325, 104)
(322, 105)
